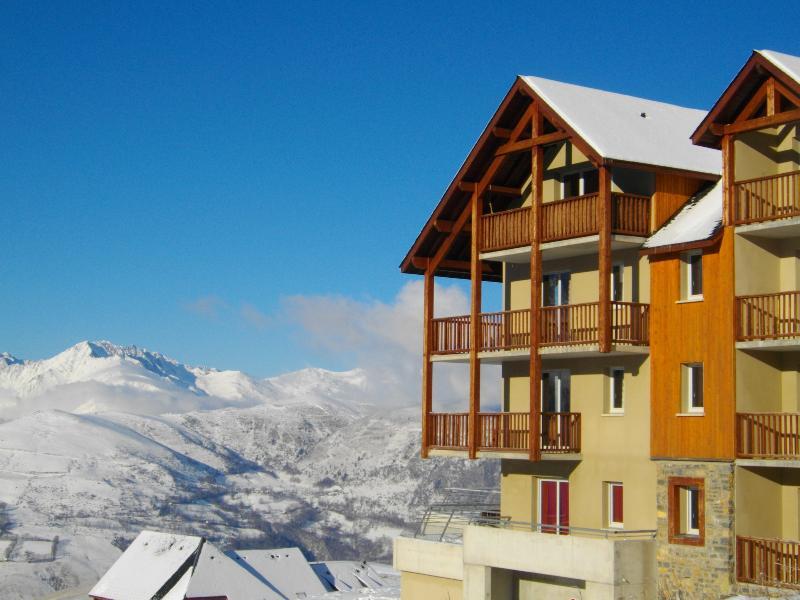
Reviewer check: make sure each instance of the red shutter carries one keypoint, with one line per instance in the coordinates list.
(616, 500)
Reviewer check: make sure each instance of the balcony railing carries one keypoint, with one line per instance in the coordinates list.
(448, 430)
(768, 316)
(768, 435)
(767, 198)
(566, 325)
(560, 432)
(768, 562)
(565, 219)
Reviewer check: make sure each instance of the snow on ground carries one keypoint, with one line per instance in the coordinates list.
(297, 460)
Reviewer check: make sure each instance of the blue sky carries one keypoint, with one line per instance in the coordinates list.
(175, 175)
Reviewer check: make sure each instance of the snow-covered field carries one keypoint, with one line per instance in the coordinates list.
(102, 441)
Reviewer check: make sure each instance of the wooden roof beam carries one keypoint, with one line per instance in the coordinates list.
(540, 140)
(759, 123)
(422, 263)
(446, 226)
(504, 190)
(501, 132)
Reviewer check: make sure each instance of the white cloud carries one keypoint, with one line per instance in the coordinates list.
(254, 317)
(207, 306)
(385, 340)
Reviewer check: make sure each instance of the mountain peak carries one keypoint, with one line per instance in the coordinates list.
(8, 359)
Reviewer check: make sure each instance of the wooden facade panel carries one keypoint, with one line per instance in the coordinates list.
(671, 193)
(686, 332)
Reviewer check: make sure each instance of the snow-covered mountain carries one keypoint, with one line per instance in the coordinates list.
(101, 441)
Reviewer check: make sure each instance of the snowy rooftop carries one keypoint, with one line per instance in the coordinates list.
(785, 62)
(348, 575)
(217, 576)
(286, 569)
(627, 128)
(142, 570)
(698, 220)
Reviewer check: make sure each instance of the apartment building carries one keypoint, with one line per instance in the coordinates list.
(649, 425)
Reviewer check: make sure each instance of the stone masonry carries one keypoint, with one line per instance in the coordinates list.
(695, 572)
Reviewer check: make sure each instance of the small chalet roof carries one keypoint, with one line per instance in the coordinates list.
(348, 575)
(218, 576)
(785, 62)
(144, 568)
(629, 129)
(699, 220)
(286, 569)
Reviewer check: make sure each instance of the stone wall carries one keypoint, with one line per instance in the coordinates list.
(688, 572)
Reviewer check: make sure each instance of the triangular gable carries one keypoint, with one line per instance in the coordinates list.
(765, 92)
(584, 117)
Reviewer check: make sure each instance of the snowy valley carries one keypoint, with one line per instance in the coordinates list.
(102, 441)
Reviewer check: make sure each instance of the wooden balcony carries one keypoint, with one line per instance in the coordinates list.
(767, 198)
(506, 432)
(768, 562)
(768, 436)
(568, 325)
(565, 219)
(768, 316)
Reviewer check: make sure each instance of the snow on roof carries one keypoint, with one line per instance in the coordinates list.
(627, 128)
(785, 62)
(698, 220)
(178, 591)
(286, 569)
(216, 575)
(147, 564)
(348, 575)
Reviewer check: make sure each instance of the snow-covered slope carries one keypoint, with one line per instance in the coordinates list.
(101, 441)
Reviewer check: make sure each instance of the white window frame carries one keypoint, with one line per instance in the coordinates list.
(613, 410)
(687, 275)
(581, 173)
(558, 502)
(687, 512)
(612, 524)
(688, 399)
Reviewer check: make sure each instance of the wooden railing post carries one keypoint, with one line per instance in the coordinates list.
(475, 328)
(427, 365)
(535, 371)
(728, 178)
(604, 218)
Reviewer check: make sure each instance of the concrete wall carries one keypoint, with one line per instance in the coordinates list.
(414, 586)
(601, 568)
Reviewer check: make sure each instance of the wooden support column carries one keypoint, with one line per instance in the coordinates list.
(604, 218)
(475, 328)
(427, 365)
(728, 178)
(535, 371)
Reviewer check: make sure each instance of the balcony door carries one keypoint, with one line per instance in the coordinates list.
(554, 506)
(555, 297)
(555, 401)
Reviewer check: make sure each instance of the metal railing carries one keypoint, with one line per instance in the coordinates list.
(444, 521)
(552, 528)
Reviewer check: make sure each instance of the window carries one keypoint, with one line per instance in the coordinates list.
(580, 183)
(686, 498)
(617, 271)
(614, 504)
(692, 285)
(616, 398)
(692, 388)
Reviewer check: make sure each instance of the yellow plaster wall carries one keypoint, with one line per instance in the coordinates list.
(614, 448)
(414, 586)
(768, 503)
